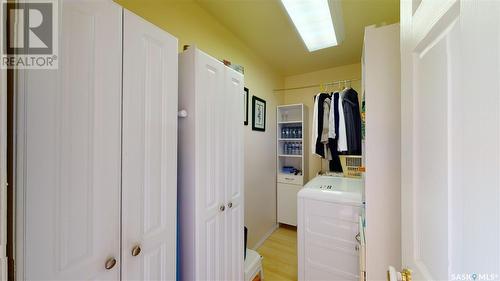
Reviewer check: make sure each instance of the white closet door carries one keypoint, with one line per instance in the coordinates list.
(210, 142)
(233, 155)
(68, 151)
(451, 157)
(149, 187)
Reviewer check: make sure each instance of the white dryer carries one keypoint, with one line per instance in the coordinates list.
(329, 210)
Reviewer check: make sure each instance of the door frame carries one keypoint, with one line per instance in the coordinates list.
(3, 175)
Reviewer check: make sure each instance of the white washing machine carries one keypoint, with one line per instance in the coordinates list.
(329, 210)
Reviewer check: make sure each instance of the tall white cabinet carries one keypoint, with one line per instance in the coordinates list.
(210, 169)
(291, 155)
(96, 151)
(382, 87)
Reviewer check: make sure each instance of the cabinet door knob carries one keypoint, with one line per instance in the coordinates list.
(230, 205)
(110, 263)
(136, 250)
(222, 208)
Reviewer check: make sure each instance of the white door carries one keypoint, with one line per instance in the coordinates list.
(451, 139)
(149, 172)
(233, 162)
(68, 151)
(210, 204)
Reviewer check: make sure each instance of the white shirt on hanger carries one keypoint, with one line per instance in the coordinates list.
(326, 128)
(314, 128)
(331, 119)
(342, 137)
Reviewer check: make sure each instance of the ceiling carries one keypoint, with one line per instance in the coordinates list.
(266, 28)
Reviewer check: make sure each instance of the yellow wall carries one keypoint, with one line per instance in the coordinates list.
(192, 25)
(305, 96)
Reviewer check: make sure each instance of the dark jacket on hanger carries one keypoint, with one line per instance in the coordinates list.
(320, 147)
(352, 121)
(334, 164)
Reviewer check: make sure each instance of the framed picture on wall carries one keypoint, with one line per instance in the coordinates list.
(258, 114)
(245, 106)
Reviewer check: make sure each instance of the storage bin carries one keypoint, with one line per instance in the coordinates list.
(351, 165)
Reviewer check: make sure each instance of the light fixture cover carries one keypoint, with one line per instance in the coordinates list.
(319, 22)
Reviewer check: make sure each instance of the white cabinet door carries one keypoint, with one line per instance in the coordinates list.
(68, 151)
(233, 155)
(210, 205)
(149, 173)
(287, 203)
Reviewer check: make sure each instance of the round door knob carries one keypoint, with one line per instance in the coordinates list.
(222, 208)
(110, 263)
(230, 205)
(136, 250)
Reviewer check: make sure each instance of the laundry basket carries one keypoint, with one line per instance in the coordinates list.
(351, 165)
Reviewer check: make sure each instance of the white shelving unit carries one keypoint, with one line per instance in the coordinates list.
(291, 153)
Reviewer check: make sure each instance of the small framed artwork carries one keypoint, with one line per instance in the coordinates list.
(245, 107)
(258, 114)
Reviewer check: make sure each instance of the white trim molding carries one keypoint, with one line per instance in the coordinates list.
(3, 175)
(264, 238)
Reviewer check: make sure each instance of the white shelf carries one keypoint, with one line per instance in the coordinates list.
(291, 139)
(290, 155)
(290, 122)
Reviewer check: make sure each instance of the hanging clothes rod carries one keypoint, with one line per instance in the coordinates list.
(318, 85)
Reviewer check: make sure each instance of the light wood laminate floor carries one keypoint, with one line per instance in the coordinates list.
(280, 255)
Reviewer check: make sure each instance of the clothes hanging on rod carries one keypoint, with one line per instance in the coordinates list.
(342, 135)
(334, 163)
(332, 118)
(314, 129)
(336, 127)
(325, 131)
(352, 116)
(323, 145)
(320, 147)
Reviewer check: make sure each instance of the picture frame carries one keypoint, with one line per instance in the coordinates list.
(245, 106)
(258, 114)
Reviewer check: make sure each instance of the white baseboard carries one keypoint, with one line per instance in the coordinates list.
(264, 238)
(3, 269)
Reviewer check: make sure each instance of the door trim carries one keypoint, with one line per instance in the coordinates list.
(3, 175)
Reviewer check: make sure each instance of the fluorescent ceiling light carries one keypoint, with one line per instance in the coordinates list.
(313, 20)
